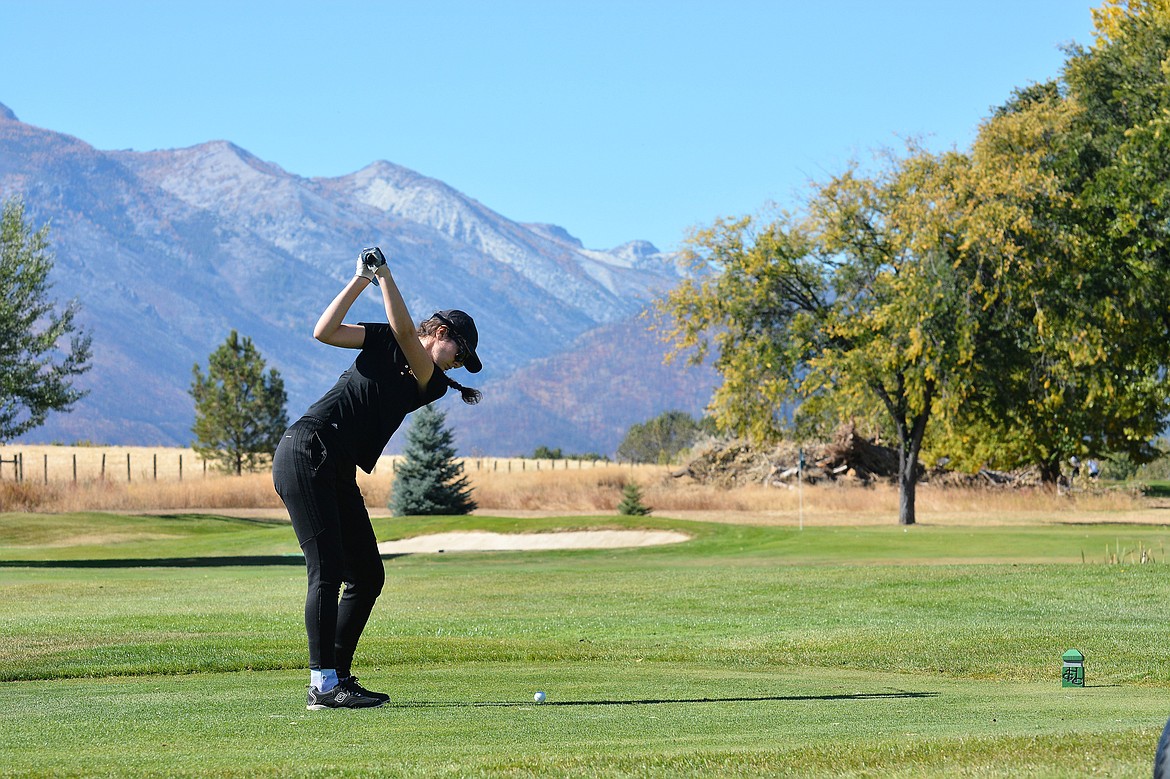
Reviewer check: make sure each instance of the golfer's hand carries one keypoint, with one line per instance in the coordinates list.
(373, 259)
(363, 271)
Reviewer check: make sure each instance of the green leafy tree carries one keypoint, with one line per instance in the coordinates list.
(660, 440)
(861, 310)
(631, 503)
(1074, 195)
(1010, 413)
(36, 371)
(543, 452)
(899, 335)
(430, 480)
(1012, 298)
(239, 410)
(1112, 161)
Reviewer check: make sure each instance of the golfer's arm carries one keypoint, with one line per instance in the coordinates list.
(330, 329)
(405, 332)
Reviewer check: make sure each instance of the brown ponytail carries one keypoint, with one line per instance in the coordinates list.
(470, 396)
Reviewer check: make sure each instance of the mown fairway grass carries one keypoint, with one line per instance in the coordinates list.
(748, 651)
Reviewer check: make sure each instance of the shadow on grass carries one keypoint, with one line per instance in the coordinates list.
(170, 562)
(205, 517)
(861, 696)
(160, 562)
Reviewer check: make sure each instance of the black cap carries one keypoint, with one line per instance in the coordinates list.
(464, 325)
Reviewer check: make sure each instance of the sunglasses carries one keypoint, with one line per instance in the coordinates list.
(462, 352)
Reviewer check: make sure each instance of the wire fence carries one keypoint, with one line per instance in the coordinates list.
(59, 464)
(56, 467)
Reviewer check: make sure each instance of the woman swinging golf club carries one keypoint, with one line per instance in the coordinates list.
(400, 368)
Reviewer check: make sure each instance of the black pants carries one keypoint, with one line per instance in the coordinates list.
(317, 483)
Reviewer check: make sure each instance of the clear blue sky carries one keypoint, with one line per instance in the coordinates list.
(616, 119)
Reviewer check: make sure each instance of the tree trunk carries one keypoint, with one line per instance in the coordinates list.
(1050, 473)
(907, 489)
(911, 431)
(909, 445)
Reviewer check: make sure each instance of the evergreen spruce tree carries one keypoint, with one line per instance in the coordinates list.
(631, 504)
(37, 368)
(239, 409)
(429, 481)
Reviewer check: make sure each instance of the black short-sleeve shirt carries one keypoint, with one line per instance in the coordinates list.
(373, 396)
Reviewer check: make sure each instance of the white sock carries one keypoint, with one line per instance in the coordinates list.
(324, 680)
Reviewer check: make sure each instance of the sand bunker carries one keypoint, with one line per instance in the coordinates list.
(479, 541)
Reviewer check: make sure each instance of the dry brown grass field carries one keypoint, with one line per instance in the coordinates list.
(144, 479)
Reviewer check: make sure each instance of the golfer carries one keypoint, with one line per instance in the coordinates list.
(400, 368)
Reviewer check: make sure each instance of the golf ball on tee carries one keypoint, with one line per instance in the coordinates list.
(539, 697)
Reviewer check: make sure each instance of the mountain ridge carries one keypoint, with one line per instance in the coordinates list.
(168, 250)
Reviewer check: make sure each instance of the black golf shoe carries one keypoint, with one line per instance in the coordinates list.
(340, 697)
(351, 683)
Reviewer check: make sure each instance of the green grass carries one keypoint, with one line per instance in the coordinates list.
(1158, 489)
(875, 651)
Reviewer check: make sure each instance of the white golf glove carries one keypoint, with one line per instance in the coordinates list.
(368, 263)
(364, 272)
